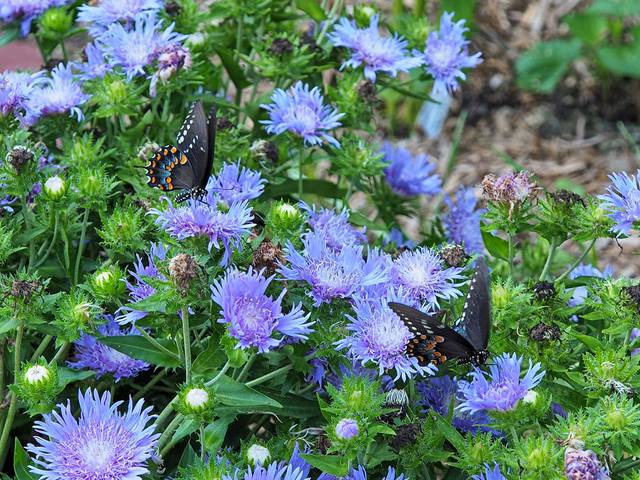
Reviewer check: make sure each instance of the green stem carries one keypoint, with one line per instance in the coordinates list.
(2, 345)
(149, 385)
(419, 9)
(64, 50)
(330, 20)
(578, 261)
(628, 466)
(164, 415)
(547, 265)
(62, 351)
(269, 376)
(53, 241)
(300, 159)
(247, 366)
(168, 432)
(510, 244)
(13, 405)
(202, 449)
(225, 367)
(186, 337)
(41, 348)
(83, 234)
(157, 344)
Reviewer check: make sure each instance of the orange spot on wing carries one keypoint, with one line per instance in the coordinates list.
(438, 339)
(174, 149)
(153, 180)
(183, 159)
(161, 187)
(166, 152)
(169, 187)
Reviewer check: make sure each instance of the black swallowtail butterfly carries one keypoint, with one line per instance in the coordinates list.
(187, 166)
(468, 339)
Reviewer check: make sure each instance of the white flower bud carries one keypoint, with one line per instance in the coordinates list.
(54, 187)
(196, 398)
(37, 373)
(257, 454)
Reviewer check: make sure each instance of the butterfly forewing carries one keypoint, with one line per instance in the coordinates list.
(193, 141)
(475, 322)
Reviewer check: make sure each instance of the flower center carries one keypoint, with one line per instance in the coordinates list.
(303, 119)
(97, 456)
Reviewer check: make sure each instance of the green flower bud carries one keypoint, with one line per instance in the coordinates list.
(90, 185)
(108, 282)
(257, 454)
(75, 314)
(55, 23)
(55, 188)
(284, 221)
(196, 400)
(37, 386)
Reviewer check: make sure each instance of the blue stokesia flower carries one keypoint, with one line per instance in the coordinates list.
(462, 222)
(298, 463)
(101, 16)
(424, 278)
(138, 47)
(396, 237)
(490, 473)
(60, 93)
(334, 226)
(361, 474)
(369, 48)
(410, 175)
(26, 11)
(581, 293)
(301, 111)
(503, 387)
(96, 65)
(272, 472)
(332, 274)
(378, 335)
(446, 54)
(235, 183)
(94, 355)
(437, 393)
(224, 228)
(622, 201)
(15, 89)
(104, 443)
(252, 316)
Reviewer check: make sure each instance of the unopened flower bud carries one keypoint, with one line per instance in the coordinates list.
(512, 188)
(580, 464)
(108, 282)
(265, 149)
(195, 400)
(544, 291)
(544, 333)
(19, 156)
(405, 435)
(55, 22)
(55, 187)
(183, 269)
(37, 385)
(267, 256)
(347, 428)
(257, 454)
(280, 47)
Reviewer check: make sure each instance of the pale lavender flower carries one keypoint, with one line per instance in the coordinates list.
(26, 11)
(60, 93)
(235, 183)
(410, 175)
(361, 474)
(139, 47)
(104, 443)
(15, 89)
(272, 472)
(462, 222)
(96, 65)
(558, 410)
(379, 336)
(503, 387)
(490, 473)
(107, 12)
(635, 333)
(224, 228)
(301, 111)
(582, 464)
(92, 354)
(581, 293)
(447, 53)
(332, 274)
(347, 428)
(334, 226)
(622, 201)
(36, 189)
(396, 237)
(298, 463)
(423, 276)
(370, 49)
(253, 317)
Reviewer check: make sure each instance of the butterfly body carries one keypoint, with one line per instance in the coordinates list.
(186, 166)
(467, 341)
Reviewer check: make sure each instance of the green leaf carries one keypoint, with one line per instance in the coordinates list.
(312, 8)
(496, 246)
(233, 68)
(189, 457)
(7, 324)
(235, 394)
(215, 432)
(543, 66)
(380, 428)
(293, 405)
(156, 302)
(210, 359)
(69, 375)
(616, 8)
(451, 434)
(621, 60)
(359, 219)
(21, 462)
(185, 429)
(332, 464)
(591, 343)
(588, 27)
(464, 9)
(9, 34)
(322, 188)
(136, 346)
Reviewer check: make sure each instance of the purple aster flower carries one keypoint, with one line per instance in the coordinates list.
(396, 237)
(96, 65)
(391, 475)
(94, 355)
(447, 53)
(622, 201)
(502, 389)
(355, 369)
(235, 183)
(301, 111)
(581, 464)
(581, 293)
(136, 48)
(462, 222)
(439, 394)
(357, 474)
(5, 204)
(409, 175)
(253, 317)
(26, 11)
(172, 58)
(635, 333)
(272, 472)
(369, 48)
(223, 228)
(15, 89)
(317, 376)
(347, 428)
(333, 274)
(298, 463)
(335, 227)
(36, 189)
(101, 16)
(558, 410)
(423, 276)
(490, 473)
(378, 335)
(104, 443)
(60, 93)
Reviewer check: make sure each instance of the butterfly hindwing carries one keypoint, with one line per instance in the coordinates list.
(475, 322)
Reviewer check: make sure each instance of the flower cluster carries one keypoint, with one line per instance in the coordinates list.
(410, 175)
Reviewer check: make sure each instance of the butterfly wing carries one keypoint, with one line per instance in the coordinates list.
(211, 127)
(169, 169)
(431, 341)
(475, 322)
(193, 142)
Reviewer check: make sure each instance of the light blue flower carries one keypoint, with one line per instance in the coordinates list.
(107, 12)
(490, 473)
(462, 221)
(622, 201)
(235, 183)
(410, 175)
